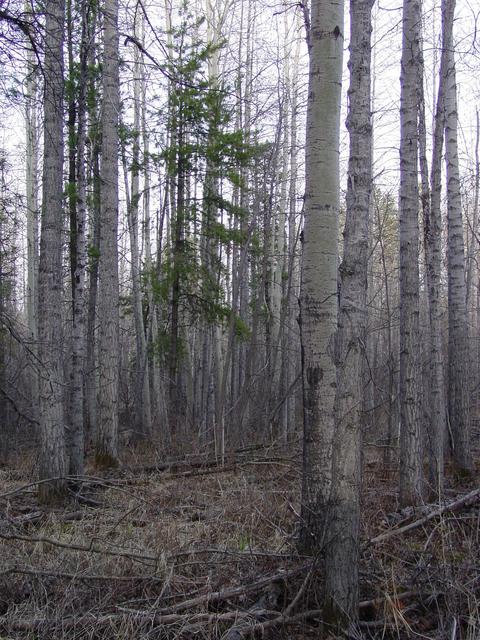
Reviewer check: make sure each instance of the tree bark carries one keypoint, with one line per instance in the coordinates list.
(53, 457)
(343, 555)
(457, 311)
(77, 422)
(94, 243)
(411, 471)
(318, 298)
(432, 225)
(106, 453)
(31, 179)
(143, 413)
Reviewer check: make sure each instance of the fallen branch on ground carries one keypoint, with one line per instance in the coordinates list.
(58, 575)
(456, 505)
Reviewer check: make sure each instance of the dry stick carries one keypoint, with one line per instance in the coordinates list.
(365, 604)
(233, 592)
(281, 619)
(170, 618)
(77, 576)
(240, 554)
(31, 624)
(144, 558)
(78, 547)
(286, 619)
(35, 516)
(106, 483)
(466, 500)
(92, 548)
(300, 592)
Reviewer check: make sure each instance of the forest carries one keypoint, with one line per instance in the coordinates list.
(239, 319)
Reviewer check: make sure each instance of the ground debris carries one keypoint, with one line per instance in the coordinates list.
(157, 554)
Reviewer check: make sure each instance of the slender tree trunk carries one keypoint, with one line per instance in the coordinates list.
(77, 421)
(343, 555)
(318, 300)
(53, 457)
(411, 471)
(178, 245)
(476, 320)
(457, 312)
(91, 351)
(293, 249)
(94, 242)
(32, 194)
(32, 186)
(432, 228)
(158, 413)
(143, 414)
(106, 453)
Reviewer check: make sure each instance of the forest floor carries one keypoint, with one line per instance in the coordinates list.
(193, 550)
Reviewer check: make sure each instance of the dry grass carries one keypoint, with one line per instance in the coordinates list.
(125, 560)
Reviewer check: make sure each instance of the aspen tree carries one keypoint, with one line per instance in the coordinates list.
(432, 223)
(342, 557)
(143, 414)
(411, 471)
(94, 234)
(79, 248)
(53, 457)
(318, 297)
(457, 310)
(31, 180)
(107, 428)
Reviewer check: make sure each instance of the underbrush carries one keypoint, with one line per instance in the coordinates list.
(189, 549)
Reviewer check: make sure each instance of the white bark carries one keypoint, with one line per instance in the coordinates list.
(433, 256)
(78, 286)
(343, 554)
(143, 414)
(31, 179)
(318, 300)
(457, 311)
(411, 472)
(292, 360)
(107, 428)
(53, 458)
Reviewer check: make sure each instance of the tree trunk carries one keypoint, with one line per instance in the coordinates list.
(143, 413)
(457, 313)
(411, 471)
(53, 458)
(318, 299)
(32, 193)
(106, 453)
(77, 421)
(94, 244)
(343, 555)
(432, 228)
